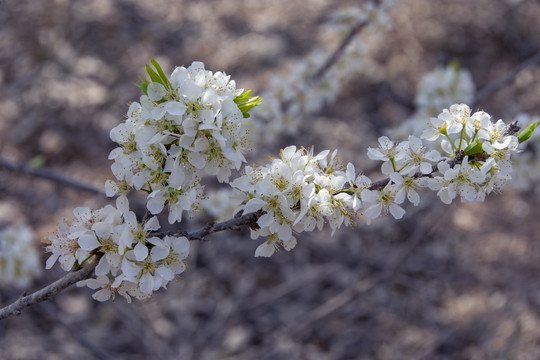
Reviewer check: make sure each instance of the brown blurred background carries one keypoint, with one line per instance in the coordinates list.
(446, 282)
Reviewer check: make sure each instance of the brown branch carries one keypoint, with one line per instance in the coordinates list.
(235, 224)
(48, 175)
(48, 291)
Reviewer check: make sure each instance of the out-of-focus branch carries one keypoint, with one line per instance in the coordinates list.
(500, 83)
(339, 51)
(49, 175)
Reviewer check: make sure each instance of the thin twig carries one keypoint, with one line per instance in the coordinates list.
(500, 83)
(49, 175)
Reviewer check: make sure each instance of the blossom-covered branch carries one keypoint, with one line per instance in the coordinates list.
(190, 124)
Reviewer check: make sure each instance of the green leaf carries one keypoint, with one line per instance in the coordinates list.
(156, 75)
(474, 148)
(164, 78)
(143, 85)
(526, 133)
(246, 102)
(153, 75)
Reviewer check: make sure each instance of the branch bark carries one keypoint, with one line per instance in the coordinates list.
(71, 278)
(48, 291)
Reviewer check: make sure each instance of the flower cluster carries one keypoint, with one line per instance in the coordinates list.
(132, 261)
(297, 192)
(185, 126)
(479, 148)
(19, 259)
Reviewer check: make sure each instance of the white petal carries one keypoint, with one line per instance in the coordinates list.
(152, 224)
(197, 159)
(122, 203)
(102, 295)
(165, 273)
(146, 283)
(159, 111)
(156, 91)
(284, 232)
(426, 168)
(51, 260)
(266, 249)
(413, 197)
(370, 195)
(176, 108)
(396, 211)
(177, 177)
(155, 204)
(444, 195)
(254, 205)
(130, 268)
(140, 251)
(88, 241)
(159, 253)
(83, 214)
(373, 211)
(180, 245)
(103, 267)
(265, 220)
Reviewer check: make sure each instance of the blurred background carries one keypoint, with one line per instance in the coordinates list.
(445, 282)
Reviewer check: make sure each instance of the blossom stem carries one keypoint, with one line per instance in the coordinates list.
(451, 142)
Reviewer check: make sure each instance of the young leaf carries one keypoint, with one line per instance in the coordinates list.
(143, 85)
(153, 76)
(526, 133)
(164, 78)
(246, 102)
(474, 148)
